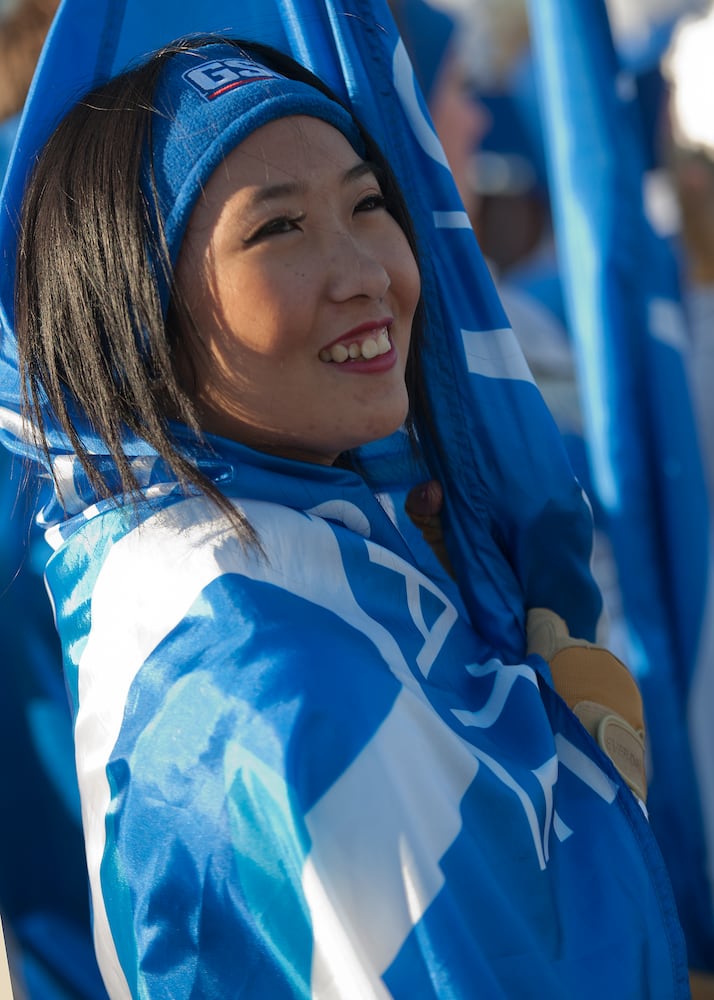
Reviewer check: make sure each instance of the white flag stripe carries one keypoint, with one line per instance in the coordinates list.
(495, 354)
(361, 873)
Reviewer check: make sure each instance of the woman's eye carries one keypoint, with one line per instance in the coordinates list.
(275, 227)
(371, 202)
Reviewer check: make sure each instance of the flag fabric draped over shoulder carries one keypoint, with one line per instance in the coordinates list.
(629, 332)
(303, 774)
(320, 773)
(517, 524)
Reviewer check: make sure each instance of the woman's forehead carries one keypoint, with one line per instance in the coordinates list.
(296, 152)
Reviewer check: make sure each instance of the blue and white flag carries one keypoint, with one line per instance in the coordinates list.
(630, 340)
(301, 783)
(393, 803)
(519, 530)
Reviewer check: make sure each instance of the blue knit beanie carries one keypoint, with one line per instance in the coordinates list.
(207, 101)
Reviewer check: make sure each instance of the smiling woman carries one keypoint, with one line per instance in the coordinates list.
(304, 769)
(302, 289)
(298, 245)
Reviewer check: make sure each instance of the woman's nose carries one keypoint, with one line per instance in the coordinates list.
(356, 268)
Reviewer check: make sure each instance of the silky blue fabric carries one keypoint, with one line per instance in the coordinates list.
(304, 773)
(318, 771)
(630, 341)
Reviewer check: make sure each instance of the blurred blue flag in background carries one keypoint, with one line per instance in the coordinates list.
(627, 322)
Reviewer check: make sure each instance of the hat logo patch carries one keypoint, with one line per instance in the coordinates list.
(211, 79)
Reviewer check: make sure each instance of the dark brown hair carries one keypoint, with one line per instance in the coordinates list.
(90, 325)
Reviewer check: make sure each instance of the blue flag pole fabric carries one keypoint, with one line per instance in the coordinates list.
(407, 809)
(629, 332)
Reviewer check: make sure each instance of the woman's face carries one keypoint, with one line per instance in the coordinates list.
(302, 289)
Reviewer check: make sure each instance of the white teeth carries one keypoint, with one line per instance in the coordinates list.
(370, 348)
(339, 353)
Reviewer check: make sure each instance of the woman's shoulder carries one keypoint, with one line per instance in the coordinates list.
(171, 541)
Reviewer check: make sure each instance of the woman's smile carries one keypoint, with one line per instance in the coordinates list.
(369, 343)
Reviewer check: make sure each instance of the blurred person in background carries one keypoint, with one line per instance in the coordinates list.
(23, 26)
(43, 893)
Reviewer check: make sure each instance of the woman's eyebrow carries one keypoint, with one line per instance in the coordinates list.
(273, 191)
(360, 170)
